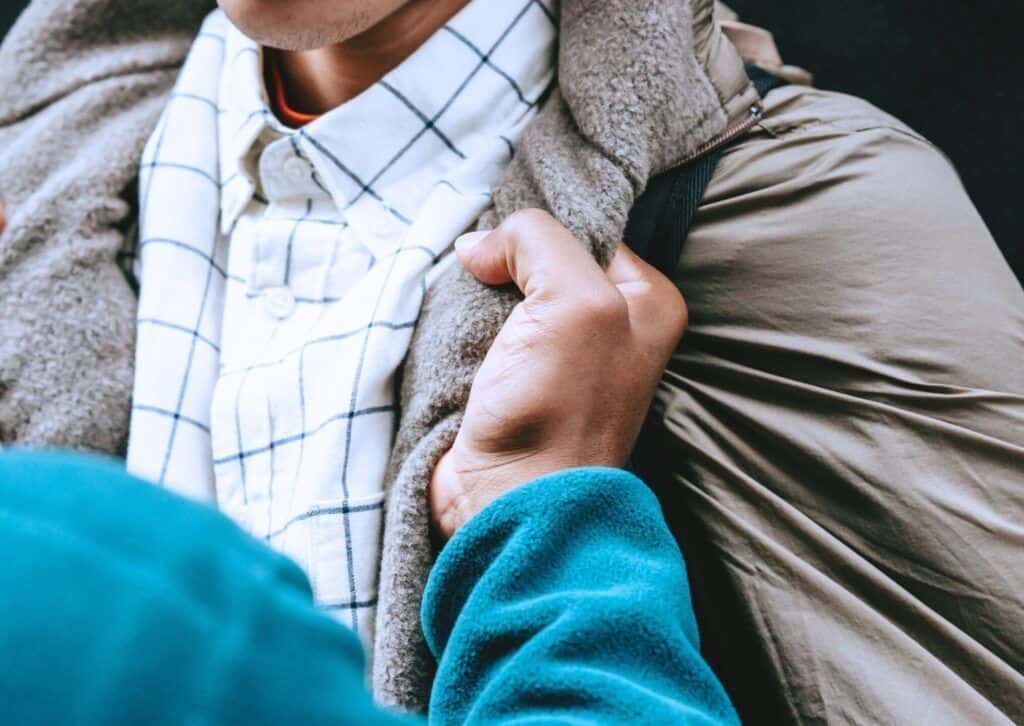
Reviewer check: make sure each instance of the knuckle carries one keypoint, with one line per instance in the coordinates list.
(676, 311)
(600, 308)
(682, 315)
(669, 294)
(528, 222)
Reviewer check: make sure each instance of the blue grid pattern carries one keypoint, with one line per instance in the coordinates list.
(281, 274)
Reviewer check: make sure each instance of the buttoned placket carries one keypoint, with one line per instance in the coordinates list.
(314, 283)
(288, 181)
(376, 227)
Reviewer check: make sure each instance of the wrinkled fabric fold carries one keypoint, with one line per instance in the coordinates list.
(83, 82)
(633, 100)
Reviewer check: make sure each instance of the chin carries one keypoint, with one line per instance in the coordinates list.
(299, 24)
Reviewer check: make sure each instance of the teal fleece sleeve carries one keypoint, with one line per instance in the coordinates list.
(121, 603)
(567, 600)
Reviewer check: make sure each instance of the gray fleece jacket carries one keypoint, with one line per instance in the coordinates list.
(640, 90)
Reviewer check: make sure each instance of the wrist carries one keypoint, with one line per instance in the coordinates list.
(466, 483)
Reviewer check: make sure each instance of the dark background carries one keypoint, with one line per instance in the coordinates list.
(9, 10)
(952, 69)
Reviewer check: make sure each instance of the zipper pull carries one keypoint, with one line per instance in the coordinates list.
(757, 111)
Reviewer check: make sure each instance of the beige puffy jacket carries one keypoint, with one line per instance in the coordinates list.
(839, 440)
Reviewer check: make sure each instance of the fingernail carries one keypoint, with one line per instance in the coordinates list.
(467, 242)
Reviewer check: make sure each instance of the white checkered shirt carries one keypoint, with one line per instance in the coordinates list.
(282, 271)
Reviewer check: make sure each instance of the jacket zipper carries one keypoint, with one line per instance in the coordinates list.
(734, 130)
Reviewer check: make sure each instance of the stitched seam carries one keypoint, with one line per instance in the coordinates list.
(809, 126)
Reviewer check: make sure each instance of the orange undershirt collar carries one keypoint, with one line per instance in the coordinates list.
(279, 101)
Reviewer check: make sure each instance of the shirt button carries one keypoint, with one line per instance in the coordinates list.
(279, 303)
(298, 171)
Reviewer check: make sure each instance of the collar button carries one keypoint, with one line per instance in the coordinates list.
(279, 302)
(298, 171)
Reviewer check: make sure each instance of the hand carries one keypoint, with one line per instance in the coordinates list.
(570, 377)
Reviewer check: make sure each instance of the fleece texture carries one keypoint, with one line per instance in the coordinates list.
(633, 100)
(178, 616)
(83, 84)
(567, 599)
(172, 613)
(643, 84)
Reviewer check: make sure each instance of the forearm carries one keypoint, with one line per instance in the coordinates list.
(568, 598)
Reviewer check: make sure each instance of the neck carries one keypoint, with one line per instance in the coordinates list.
(325, 78)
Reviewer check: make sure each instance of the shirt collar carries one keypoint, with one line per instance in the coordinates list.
(483, 72)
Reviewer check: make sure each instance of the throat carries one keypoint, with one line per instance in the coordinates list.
(316, 81)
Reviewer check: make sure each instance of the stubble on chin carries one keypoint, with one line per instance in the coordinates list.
(296, 26)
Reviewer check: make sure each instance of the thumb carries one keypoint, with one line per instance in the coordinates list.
(487, 267)
(657, 310)
(533, 250)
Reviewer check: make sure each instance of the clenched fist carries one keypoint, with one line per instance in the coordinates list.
(569, 378)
